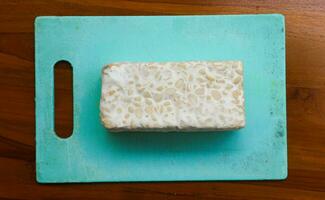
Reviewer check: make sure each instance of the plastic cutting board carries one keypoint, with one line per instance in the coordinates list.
(91, 154)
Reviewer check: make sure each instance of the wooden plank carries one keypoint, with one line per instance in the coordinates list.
(305, 22)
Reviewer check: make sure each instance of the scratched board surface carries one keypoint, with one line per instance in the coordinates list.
(91, 154)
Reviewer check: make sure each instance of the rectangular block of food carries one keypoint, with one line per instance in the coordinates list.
(168, 96)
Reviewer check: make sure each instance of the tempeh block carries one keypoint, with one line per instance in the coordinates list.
(168, 96)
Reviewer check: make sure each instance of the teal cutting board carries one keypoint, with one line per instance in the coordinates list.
(91, 154)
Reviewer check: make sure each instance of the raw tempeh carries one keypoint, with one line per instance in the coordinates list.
(167, 96)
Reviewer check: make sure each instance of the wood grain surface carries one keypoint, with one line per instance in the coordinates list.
(305, 41)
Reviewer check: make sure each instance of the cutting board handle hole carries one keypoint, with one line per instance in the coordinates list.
(63, 99)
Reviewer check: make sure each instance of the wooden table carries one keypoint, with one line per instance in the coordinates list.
(305, 30)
